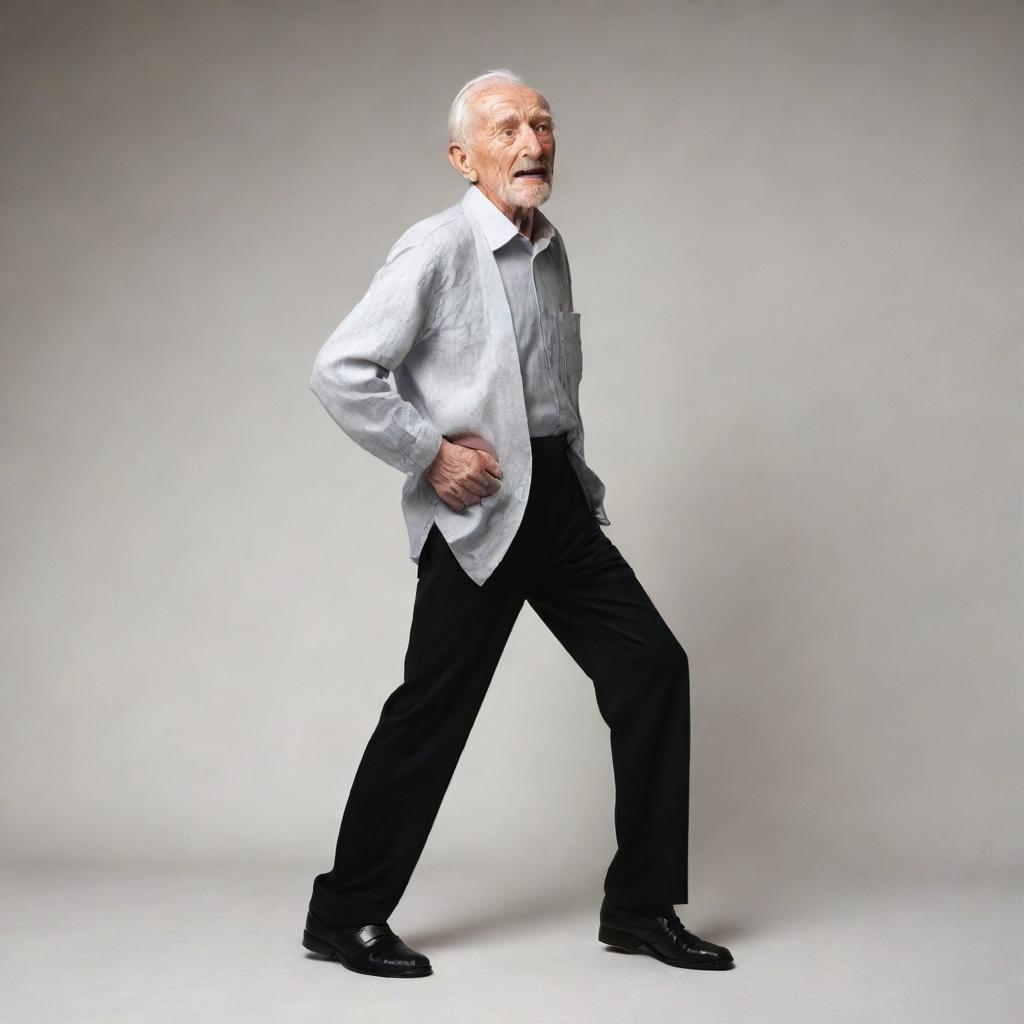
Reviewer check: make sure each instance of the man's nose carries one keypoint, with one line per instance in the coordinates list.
(532, 146)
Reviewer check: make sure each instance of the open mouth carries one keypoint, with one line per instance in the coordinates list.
(533, 173)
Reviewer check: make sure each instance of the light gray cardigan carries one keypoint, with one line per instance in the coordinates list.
(436, 317)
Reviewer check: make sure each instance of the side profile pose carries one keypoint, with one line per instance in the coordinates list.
(472, 313)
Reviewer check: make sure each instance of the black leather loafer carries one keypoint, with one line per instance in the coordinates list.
(661, 934)
(367, 949)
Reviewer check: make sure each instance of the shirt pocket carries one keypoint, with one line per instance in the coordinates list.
(570, 347)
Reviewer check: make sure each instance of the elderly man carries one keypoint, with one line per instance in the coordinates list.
(472, 314)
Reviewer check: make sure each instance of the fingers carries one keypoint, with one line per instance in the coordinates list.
(477, 477)
(480, 484)
(479, 481)
(461, 500)
(468, 492)
(489, 474)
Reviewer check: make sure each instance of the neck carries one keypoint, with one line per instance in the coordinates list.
(521, 216)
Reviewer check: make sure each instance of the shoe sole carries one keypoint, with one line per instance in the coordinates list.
(623, 940)
(323, 948)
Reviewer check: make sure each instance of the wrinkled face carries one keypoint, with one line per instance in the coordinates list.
(511, 145)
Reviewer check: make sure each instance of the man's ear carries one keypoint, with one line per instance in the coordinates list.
(459, 159)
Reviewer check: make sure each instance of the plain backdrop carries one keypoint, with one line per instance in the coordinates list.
(795, 234)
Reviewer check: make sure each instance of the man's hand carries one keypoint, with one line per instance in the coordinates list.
(462, 475)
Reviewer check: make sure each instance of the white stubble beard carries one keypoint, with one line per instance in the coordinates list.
(528, 195)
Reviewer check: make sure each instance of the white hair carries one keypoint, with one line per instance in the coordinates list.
(458, 115)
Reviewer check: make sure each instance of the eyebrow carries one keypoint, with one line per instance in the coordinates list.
(513, 118)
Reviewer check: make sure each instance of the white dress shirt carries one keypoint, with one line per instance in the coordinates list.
(535, 291)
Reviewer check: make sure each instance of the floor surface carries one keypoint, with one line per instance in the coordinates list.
(106, 945)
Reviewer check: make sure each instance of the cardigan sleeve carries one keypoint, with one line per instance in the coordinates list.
(351, 369)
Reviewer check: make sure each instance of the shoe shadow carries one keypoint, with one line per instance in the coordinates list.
(506, 919)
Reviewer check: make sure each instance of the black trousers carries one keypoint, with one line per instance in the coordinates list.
(584, 591)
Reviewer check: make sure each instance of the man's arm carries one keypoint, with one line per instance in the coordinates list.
(351, 369)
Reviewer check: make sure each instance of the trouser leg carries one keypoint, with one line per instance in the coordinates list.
(591, 600)
(458, 632)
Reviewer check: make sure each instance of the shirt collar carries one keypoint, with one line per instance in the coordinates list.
(497, 228)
